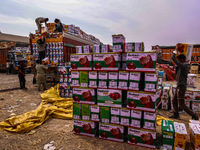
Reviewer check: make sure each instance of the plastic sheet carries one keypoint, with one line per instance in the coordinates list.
(52, 105)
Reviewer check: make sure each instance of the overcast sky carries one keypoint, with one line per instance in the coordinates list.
(162, 22)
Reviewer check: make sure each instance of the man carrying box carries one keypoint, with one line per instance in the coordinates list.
(182, 71)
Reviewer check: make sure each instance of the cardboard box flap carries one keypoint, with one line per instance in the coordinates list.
(167, 125)
(180, 128)
(194, 121)
(195, 128)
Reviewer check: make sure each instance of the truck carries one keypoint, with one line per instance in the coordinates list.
(12, 49)
(13, 55)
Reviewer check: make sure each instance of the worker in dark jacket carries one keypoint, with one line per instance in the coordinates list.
(39, 22)
(22, 75)
(182, 71)
(58, 25)
(41, 48)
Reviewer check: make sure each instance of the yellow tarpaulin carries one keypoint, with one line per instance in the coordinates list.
(52, 105)
(159, 120)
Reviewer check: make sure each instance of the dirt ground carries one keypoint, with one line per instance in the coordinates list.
(18, 101)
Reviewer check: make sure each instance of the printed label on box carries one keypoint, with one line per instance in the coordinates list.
(111, 132)
(106, 62)
(81, 62)
(141, 137)
(108, 97)
(84, 96)
(141, 62)
(141, 101)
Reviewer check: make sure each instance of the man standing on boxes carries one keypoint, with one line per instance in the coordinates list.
(40, 68)
(39, 21)
(41, 48)
(182, 71)
(58, 25)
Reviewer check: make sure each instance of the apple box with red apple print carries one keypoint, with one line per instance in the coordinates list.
(141, 137)
(108, 97)
(84, 96)
(88, 128)
(141, 61)
(106, 62)
(81, 62)
(141, 101)
(111, 132)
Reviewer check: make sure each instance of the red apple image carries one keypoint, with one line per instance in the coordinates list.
(131, 66)
(132, 104)
(97, 66)
(147, 138)
(118, 95)
(116, 133)
(103, 135)
(111, 95)
(133, 140)
(87, 128)
(76, 99)
(115, 97)
(74, 66)
(76, 130)
(149, 63)
(110, 61)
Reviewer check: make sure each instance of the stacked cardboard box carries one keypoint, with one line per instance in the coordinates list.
(180, 135)
(168, 134)
(54, 49)
(165, 98)
(192, 98)
(126, 97)
(194, 129)
(65, 81)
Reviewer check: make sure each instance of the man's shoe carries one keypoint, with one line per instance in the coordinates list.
(195, 117)
(175, 116)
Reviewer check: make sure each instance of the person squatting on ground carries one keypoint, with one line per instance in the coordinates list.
(40, 68)
(41, 48)
(21, 75)
(182, 71)
(39, 22)
(58, 25)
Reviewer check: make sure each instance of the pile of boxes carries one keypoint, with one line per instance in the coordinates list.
(173, 135)
(65, 81)
(54, 49)
(111, 101)
(165, 97)
(73, 30)
(192, 98)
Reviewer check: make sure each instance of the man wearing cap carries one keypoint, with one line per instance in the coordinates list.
(39, 21)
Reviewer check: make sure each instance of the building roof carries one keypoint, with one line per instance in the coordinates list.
(14, 38)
